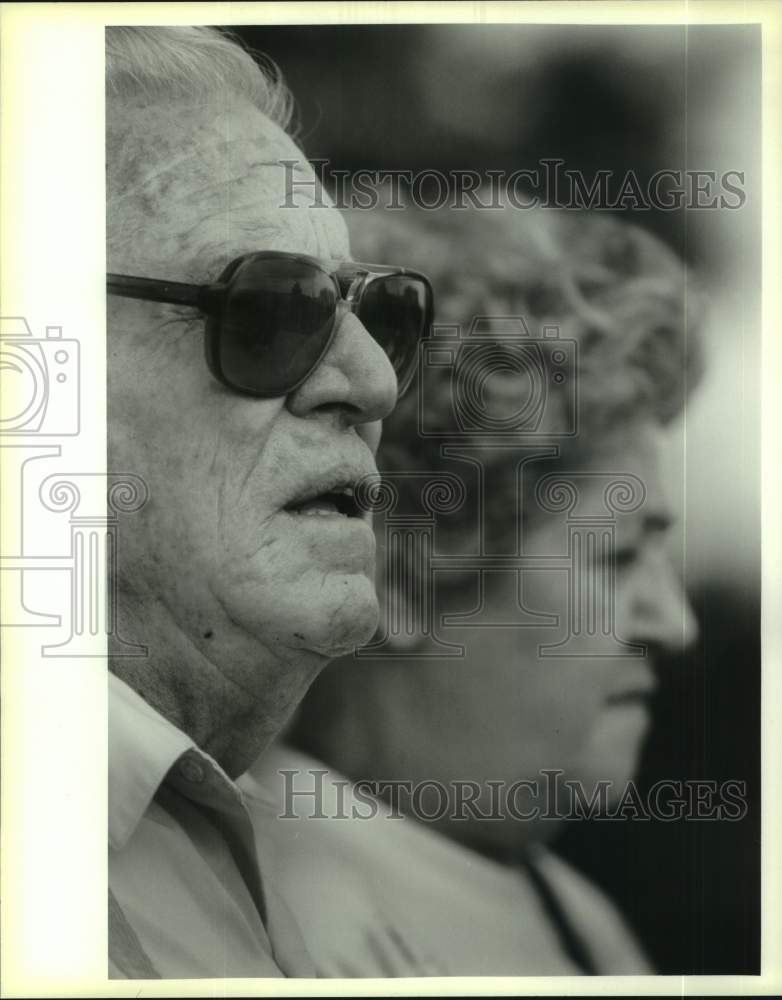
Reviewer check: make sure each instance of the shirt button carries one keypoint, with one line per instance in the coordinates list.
(191, 770)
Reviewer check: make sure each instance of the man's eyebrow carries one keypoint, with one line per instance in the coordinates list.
(213, 258)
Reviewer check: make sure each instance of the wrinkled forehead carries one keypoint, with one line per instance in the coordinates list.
(190, 188)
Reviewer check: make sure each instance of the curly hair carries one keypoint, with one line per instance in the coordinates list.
(618, 291)
(625, 299)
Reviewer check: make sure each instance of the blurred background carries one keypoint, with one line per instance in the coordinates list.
(503, 97)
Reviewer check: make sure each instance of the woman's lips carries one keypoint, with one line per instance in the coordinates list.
(637, 696)
(638, 689)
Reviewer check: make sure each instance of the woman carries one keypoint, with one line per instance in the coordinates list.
(511, 685)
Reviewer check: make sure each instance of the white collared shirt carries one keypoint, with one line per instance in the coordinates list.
(395, 897)
(183, 857)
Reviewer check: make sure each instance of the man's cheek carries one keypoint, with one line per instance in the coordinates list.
(285, 554)
(249, 554)
(372, 434)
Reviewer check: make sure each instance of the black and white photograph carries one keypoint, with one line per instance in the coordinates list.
(419, 571)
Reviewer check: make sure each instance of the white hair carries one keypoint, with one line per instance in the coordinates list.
(191, 62)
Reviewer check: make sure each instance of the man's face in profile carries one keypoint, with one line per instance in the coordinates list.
(215, 552)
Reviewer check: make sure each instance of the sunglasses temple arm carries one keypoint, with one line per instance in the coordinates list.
(204, 297)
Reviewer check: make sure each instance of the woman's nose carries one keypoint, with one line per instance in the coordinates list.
(661, 611)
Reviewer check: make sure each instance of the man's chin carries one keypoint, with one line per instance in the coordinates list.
(347, 617)
(328, 617)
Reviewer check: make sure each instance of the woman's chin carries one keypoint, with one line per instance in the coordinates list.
(614, 750)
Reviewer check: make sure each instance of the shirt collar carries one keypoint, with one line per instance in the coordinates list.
(143, 747)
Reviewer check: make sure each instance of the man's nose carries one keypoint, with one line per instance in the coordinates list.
(661, 613)
(355, 378)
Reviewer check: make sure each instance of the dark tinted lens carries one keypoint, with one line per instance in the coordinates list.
(394, 310)
(275, 325)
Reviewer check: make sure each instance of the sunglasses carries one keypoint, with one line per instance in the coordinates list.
(272, 316)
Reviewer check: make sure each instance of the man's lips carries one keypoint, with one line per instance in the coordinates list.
(330, 493)
(341, 502)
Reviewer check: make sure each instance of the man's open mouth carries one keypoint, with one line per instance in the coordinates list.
(338, 501)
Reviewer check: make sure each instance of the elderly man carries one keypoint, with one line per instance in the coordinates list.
(247, 375)
(558, 659)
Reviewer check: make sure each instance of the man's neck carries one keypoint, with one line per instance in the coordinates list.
(197, 693)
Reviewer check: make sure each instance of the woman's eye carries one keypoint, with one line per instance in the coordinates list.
(624, 558)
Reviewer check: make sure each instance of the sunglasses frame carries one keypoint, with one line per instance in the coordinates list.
(351, 279)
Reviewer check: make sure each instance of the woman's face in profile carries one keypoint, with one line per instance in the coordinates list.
(515, 706)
